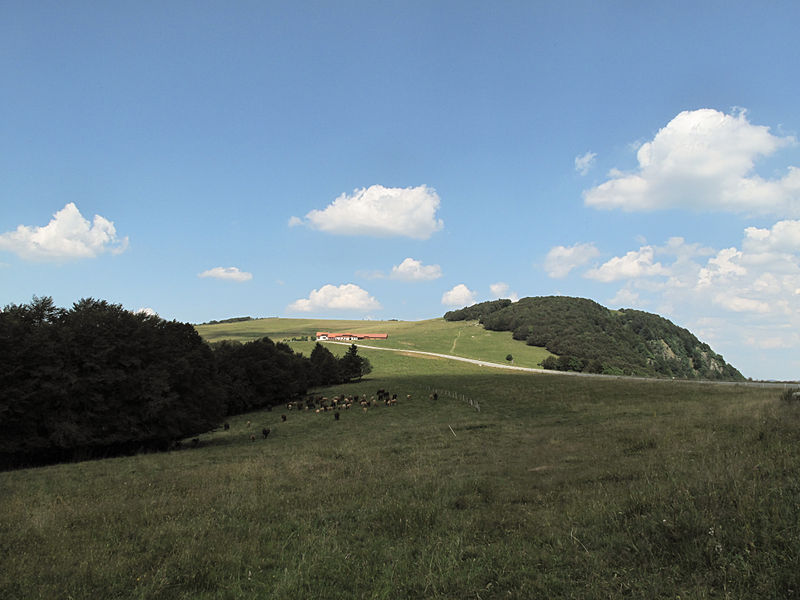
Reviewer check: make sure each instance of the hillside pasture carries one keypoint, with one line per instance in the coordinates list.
(459, 338)
(558, 487)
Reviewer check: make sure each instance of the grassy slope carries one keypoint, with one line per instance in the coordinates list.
(559, 487)
(460, 338)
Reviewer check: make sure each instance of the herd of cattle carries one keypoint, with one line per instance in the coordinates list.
(322, 404)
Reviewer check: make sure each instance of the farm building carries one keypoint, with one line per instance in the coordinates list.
(348, 337)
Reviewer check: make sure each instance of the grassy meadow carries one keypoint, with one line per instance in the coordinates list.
(558, 487)
(459, 338)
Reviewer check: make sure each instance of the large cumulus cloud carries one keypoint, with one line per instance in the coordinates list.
(704, 160)
(67, 236)
(331, 297)
(379, 211)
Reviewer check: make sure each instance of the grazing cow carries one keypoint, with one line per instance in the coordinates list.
(252, 438)
(336, 416)
(248, 423)
(283, 417)
(226, 426)
(265, 432)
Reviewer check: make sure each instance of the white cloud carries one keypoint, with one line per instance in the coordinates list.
(67, 236)
(771, 343)
(380, 212)
(561, 259)
(229, 273)
(784, 236)
(677, 246)
(344, 297)
(373, 274)
(635, 264)
(585, 162)
(744, 281)
(703, 160)
(414, 270)
(725, 265)
(459, 295)
(626, 298)
(739, 304)
(500, 290)
(295, 221)
(146, 311)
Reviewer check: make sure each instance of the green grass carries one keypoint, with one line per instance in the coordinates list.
(460, 338)
(559, 487)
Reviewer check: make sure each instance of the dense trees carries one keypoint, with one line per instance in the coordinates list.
(97, 379)
(591, 338)
(260, 373)
(477, 311)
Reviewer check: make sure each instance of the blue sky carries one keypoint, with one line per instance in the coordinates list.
(395, 160)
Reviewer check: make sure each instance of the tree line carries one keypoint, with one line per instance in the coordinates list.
(98, 380)
(588, 337)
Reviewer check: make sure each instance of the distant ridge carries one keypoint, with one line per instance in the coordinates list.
(589, 337)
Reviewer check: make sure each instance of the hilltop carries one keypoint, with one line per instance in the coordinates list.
(589, 337)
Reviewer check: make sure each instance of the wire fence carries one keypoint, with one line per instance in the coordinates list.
(455, 395)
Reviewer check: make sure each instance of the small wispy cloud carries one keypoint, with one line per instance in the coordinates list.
(227, 273)
(560, 260)
(413, 270)
(585, 162)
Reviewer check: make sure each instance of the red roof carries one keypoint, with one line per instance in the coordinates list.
(360, 336)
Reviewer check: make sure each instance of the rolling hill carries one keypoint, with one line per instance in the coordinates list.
(591, 338)
(465, 338)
